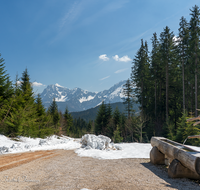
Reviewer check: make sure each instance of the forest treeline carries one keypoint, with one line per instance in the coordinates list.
(167, 81)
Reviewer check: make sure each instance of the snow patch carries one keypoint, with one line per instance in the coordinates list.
(61, 99)
(84, 99)
(99, 142)
(29, 144)
(58, 85)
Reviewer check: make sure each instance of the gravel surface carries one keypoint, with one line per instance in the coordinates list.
(63, 169)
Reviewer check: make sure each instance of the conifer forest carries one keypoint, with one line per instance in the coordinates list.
(165, 81)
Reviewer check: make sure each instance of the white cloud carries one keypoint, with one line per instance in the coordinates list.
(125, 58)
(121, 70)
(116, 58)
(104, 57)
(104, 78)
(37, 84)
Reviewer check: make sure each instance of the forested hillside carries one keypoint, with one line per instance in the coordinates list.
(90, 114)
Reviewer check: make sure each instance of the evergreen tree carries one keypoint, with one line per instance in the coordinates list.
(89, 126)
(6, 94)
(68, 121)
(117, 138)
(6, 90)
(166, 40)
(128, 97)
(53, 110)
(39, 107)
(183, 44)
(22, 119)
(101, 120)
(194, 48)
(26, 87)
(182, 126)
(44, 123)
(116, 116)
(140, 76)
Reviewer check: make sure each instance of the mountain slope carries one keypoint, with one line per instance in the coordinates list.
(77, 99)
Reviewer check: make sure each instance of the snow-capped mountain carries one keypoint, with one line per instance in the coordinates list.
(77, 99)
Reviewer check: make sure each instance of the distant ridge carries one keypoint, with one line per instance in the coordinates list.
(79, 100)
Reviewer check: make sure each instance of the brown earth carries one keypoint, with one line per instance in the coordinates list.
(63, 169)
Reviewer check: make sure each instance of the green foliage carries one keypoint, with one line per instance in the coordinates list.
(182, 126)
(128, 99)
(101, 120)
(53, 111)
(117, 138)
(68, 121)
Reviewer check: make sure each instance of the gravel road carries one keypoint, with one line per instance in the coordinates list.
(63, 169)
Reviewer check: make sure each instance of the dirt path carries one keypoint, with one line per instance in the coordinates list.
(63, 169)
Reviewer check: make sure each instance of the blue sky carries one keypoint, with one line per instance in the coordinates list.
(81, 43)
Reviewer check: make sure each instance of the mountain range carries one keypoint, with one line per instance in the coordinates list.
(79, 100)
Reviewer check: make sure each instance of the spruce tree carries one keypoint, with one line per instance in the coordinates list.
(39, 107)
(26, 87)
(6, 95)
(117, 137)
(140, 76)
(101, 120)
(166, 40)
(116, 116)
(194, 48)
(68, 121)
(53, 109)
(183, 44)
(89, 126)
(6, 89)
(128, 97)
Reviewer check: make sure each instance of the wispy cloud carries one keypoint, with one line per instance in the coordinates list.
(38, 84)
(121, 70)
(125, 58)
(109, 8)
(104, 78)
(104, 57)
(71, 14)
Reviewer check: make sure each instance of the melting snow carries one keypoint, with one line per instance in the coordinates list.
(99, 147)
(61, 99)
(84, 99)
(99, 142)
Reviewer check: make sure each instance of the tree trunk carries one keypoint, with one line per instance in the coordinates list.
(167, 90)
(196, 113)
(155, 100)
(142, 101)
(183, 75)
